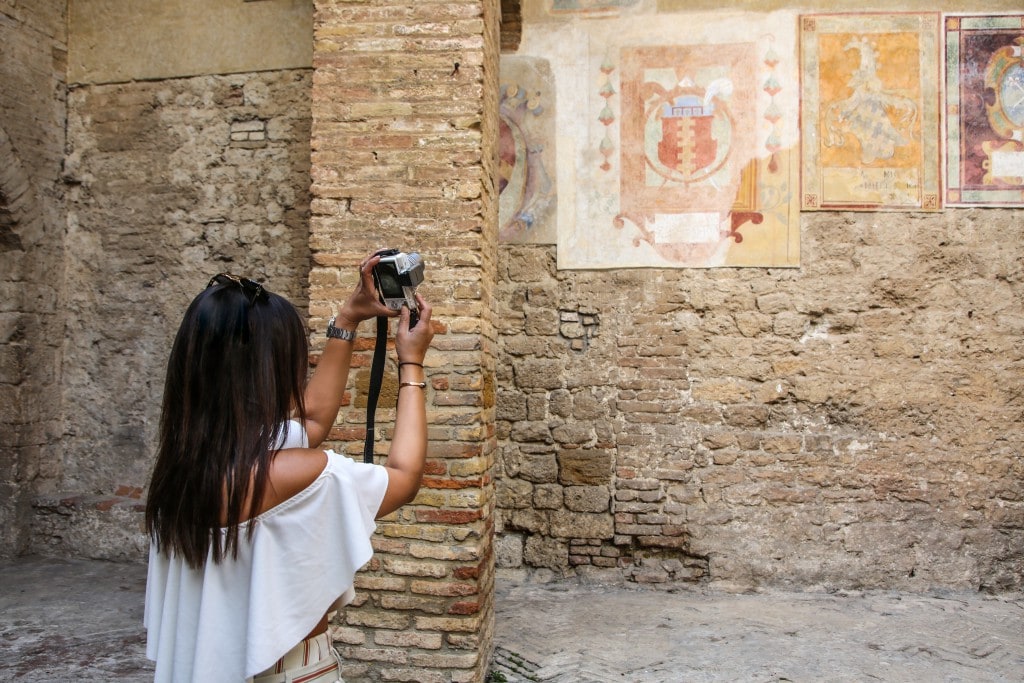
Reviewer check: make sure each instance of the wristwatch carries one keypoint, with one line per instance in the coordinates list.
(339, 333)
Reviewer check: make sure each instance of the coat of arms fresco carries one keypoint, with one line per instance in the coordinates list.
(679, 141)
(984, 110)
(688, 117)
(870, 120)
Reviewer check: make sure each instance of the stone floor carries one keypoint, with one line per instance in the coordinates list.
(82, 621)
(576, 633)
(72, 621)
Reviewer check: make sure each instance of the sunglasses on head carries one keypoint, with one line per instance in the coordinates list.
(250, 288)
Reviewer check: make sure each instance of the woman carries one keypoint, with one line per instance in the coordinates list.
(256, 533)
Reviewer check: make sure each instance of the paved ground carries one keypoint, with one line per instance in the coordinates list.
(81, 621)
(72, 621)
(577, 633)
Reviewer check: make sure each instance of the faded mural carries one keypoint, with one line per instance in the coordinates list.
(870, 112)
(676, 141)
(693, 179)
(695, 140)
(984, 110)
(527, 197)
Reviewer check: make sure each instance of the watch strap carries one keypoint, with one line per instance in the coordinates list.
(339, 333)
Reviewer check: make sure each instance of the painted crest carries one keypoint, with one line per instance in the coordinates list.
(687, 144)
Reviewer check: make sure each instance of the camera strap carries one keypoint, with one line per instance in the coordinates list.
(376, 379)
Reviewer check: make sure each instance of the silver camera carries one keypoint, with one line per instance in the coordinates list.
(397, 276)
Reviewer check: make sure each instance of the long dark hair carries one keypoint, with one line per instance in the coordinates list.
(236, 373)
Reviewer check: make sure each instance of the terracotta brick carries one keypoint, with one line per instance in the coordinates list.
(464, 607)
(451, 483)
(468, 572)
(448, 516)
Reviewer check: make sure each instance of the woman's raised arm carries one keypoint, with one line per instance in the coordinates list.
(326, 387)
(409, 445)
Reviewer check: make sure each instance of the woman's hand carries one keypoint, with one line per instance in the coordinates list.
(411, 344)
(363, 303)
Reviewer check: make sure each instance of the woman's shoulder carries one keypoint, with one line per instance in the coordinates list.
(292, 471)
(304, 473)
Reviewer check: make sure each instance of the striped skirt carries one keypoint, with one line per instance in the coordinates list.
(314, 660)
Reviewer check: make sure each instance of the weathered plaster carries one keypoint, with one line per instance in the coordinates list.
(185, 38)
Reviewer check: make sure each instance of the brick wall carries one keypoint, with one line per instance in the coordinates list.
(853, 423)
(32, 113)
(404, 117)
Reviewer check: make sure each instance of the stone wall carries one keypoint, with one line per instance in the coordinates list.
(404, 122)
(171, 182)
(33, 57)
(853, 423)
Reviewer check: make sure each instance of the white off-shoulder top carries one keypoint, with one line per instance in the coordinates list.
(228, 621)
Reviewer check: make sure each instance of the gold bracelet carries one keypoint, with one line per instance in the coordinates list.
(421, 385)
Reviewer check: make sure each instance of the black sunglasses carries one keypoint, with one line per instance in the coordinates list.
(250, 288)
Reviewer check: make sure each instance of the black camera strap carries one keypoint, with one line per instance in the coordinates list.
(376, 379)
(380, 353)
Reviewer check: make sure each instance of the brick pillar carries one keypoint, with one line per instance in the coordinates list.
(404, 124)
